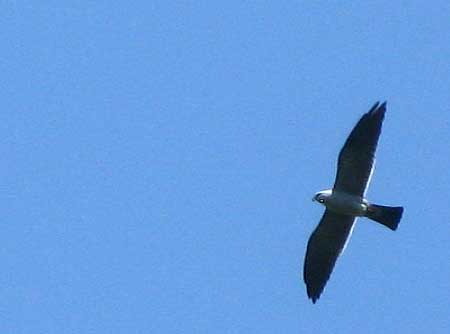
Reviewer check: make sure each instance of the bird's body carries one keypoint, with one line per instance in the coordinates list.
(343, 203)
(346, 201)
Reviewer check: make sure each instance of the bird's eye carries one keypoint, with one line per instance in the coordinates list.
(321, 200)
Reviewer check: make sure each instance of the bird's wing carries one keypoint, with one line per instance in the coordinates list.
(324, 247)
(357, 156)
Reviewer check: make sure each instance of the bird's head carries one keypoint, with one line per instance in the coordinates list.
(322, 196)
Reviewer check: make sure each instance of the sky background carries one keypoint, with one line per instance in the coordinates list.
(159, 160)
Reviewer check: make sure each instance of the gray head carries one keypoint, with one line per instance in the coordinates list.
(322, 196)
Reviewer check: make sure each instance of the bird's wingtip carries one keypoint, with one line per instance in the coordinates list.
(377, 109)
(314, 296)
(374, 107)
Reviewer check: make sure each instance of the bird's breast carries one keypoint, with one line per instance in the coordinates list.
(347, 204)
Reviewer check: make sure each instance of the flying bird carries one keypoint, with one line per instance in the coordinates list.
(346, 201)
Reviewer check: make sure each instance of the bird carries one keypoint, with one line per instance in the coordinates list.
(346, 201)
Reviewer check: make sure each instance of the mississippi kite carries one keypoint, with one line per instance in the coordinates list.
(346, 201)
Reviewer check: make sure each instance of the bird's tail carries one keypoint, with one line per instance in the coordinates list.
(387, 215)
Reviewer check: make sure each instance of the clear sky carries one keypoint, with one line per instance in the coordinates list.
(159, 160)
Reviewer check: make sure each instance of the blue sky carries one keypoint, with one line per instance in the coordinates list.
(159, 160)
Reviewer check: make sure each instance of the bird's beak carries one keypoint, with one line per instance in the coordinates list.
(313, 199)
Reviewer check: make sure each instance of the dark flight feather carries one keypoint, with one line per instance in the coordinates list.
(357, 156)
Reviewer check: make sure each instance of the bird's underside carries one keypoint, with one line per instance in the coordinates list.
(355, 164)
